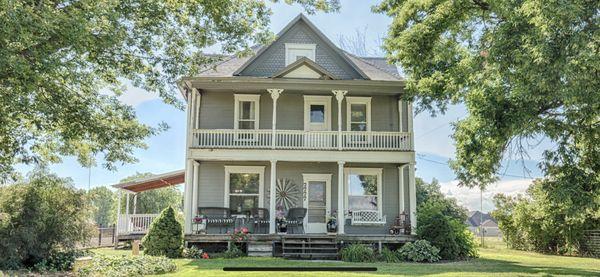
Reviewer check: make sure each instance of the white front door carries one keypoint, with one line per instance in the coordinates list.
(317, 201)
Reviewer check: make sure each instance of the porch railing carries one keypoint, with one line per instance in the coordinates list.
(299, 139)
(135, 223)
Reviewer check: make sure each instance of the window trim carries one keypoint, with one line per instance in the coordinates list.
(260, 170)
(236, 109)
(317, 100)
(358, 100)
(364, 171)
(302, 46)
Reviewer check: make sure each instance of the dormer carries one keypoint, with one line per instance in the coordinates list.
(296, 51)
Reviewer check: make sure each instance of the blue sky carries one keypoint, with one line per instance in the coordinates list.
(433, 144)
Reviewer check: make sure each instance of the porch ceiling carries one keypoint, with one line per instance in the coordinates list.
(154, 182)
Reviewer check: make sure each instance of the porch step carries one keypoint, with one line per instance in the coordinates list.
(260, 249)
(309, 247)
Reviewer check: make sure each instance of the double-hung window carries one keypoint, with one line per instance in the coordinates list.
(358, 118)
(246, 115)
(243, 187)
(363, 186)
(247, 110)
(295, 51)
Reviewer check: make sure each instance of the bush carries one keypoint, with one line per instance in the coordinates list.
(165, 237)
(233, 252)
(419, 251)
(388, 256)
(59, 261)
(192, 253)
(357, 253)
(41, 217)
(444, 232)
(113, 266)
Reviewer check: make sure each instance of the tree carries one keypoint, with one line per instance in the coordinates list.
(430, 192)
(524, 70)
(153, 201)
(102, 200)
(57, 56)
(43, 215)
(165, 237)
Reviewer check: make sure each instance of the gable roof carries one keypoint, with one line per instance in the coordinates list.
(305, 62)
(374, 68)
(313, 28)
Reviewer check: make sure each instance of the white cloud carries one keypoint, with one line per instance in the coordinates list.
(471, 198)
(134, 96)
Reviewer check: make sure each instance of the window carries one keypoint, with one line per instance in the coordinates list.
(246, 111)
(317, 113)
(244, 187)
(363, 187)
(358, 114)
(295, 51)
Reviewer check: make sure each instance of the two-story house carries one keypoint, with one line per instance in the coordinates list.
(308, 124)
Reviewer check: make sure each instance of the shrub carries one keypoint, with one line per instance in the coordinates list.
(59, 261)
(419, 251)
(357, 253)
(165, 237)
(113, 266)
(192, 253)
(388, 256)
(40, 218)
(233, 252)
(444, 232)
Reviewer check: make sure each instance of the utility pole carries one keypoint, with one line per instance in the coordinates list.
(481, 231)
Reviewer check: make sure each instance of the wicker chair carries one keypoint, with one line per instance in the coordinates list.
(295, 218)
(260, 217)
(217, 216)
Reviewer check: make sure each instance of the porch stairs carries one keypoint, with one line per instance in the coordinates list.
(309, 247)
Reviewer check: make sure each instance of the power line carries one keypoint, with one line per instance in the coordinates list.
(420, 156)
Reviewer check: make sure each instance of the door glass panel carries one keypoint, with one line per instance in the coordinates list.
(317, 113)
(316, 202)
(358, 112)
(246, 125)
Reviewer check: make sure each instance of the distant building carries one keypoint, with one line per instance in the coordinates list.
(477, 220)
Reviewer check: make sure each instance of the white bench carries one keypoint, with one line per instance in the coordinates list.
(367, 218)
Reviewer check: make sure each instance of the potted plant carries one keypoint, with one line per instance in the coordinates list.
(332, 223)
(280, 220)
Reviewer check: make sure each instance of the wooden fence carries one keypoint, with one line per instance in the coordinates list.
(591, 242)
(103, 236)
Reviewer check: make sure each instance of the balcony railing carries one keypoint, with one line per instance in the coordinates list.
(301, 140)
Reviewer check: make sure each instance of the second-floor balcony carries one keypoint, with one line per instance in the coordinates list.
(301, 140)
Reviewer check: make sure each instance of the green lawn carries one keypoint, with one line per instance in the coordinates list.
(495, 260)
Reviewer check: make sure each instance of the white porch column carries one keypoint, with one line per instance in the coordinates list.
(117, 226)
(339, 96)
(272, 197)
(187, 196)
(275, 92)
(135, 203)
(410, 125)
(195, 182)
(401, 184)
(127, 224)
(413, 198)
(341, 197)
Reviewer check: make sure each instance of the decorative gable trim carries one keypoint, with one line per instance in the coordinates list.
(313, 28)
(324, 74)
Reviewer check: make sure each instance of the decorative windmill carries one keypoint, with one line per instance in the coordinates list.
(287, 193)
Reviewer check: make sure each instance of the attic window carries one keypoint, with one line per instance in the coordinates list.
(295, 51)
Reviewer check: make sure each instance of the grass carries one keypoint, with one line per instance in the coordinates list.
(494, 260)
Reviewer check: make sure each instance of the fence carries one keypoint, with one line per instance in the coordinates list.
(591, 242)
(103, 236)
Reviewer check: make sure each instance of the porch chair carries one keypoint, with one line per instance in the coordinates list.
(295, 218)
(217, 216)
(260, 217)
